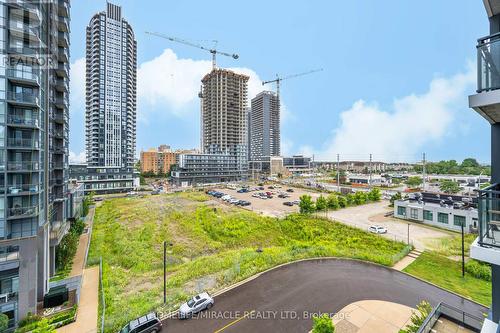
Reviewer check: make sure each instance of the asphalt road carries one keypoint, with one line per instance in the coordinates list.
(282, 300)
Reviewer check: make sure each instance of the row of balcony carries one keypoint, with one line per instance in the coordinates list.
(23, 189)
(23, 143)
(22, 211)
(489, 216)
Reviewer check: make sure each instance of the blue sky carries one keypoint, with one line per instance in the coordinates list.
(395, 81)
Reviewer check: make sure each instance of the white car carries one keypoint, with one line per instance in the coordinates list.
(196, 304)
(233, 201)
(377, 229)
(226, 197)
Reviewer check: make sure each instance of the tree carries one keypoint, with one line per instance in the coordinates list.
(374, 195)
(417, 317)
(360, 198)
(469, 163)
(414, 181)
(323, 324)
(306, 204)
(43, 326)
(349, 199)
(449, 186)
(321, 203)
(333, 202)
(4, 322)
(395, 197)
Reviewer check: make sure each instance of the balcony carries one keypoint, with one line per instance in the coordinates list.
(62, 39)
(487, 100)
(61, 84)
(63, 54)
(23, 99)
(23, 77)
(63, 23)
(489, 216)
(24, 52)
(22, 121)
(444, 318)
(23, 30)
(23, 166)
(57, 231)
(22, 212)
(23, 189)
(20, 143)
(63, 8)
(61, 102)
(19, 7)
(62, 69)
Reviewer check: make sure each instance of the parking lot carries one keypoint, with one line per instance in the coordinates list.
(269, 207)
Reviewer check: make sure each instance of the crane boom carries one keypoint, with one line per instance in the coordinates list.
(213, 51)
(279, 79)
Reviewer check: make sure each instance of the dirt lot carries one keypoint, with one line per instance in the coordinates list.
(365, 216)
(270, 207)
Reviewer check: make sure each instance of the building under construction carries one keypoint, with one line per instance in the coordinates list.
(224, 100)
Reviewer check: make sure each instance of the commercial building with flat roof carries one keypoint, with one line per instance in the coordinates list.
(158, 161)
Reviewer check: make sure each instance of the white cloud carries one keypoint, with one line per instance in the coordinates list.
(413, 122)
(77, 158)
(174, 83)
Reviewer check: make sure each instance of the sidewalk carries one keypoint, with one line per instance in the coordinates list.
(86, 319)
(406, 261)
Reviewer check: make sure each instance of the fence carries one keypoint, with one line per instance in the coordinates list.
(456, 315)
(102, 296)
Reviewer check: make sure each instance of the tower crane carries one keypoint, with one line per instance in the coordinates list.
(213, 50)
(279, 79)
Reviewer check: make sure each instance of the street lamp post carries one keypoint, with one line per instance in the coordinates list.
(463, 250)
(408, 234)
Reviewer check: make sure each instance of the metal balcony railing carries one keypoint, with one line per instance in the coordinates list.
(22, 211)
(488, 63)
(467, 320)
(8, 297)
(489, 216)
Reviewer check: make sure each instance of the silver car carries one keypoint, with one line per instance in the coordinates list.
(196, 304)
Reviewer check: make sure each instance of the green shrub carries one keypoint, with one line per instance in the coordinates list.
(4, 322)
(333, 202)
(30, 318)
(306, 204)
(417, 318)
(478, 269)
(342, 201)
(323, 324)
(321, 203)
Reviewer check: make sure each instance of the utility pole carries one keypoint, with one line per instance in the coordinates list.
(370, 172)
(338, 172)
(423, 171)
(463, 250)
(164, 272)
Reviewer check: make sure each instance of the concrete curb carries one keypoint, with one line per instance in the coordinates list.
(253, 277)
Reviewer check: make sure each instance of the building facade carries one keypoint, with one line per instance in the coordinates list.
(486, 102)
(158, 161)
(264, 126)
(198, 169)
(34, 80)
(110, 116)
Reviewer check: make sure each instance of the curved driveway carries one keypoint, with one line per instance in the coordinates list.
(282, 299)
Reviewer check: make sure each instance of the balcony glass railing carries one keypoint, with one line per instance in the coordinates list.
(25, 75)
(466, 320)
(22, 143)
(21, 120)
(489, 216)
(23, 97)
(15, 189)
(23, 165)
(22, 211)
(488, 63)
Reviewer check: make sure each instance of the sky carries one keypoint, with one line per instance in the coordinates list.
(395, 79)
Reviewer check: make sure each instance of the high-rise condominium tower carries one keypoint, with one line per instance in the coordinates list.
(110, 100)
(264, 125)
(224, 114)
(34, 77)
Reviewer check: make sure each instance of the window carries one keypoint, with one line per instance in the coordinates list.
(459, 220)
(401, 211)
(474, 222)
(414, 213)
(427, 215)
(443, 218)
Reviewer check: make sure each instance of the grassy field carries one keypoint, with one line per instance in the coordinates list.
(447, 273)
(213, 246)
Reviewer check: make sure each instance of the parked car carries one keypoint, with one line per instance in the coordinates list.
(288, 203)
(196, 304)
(377, 229)
(261, 188)
(296, 202)
(155, 192)
(145, 324)
(243, 190)
(283, 195)
(233, 201)
(219, 195)
(244, 203)
(226, 197)
(290, 190)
